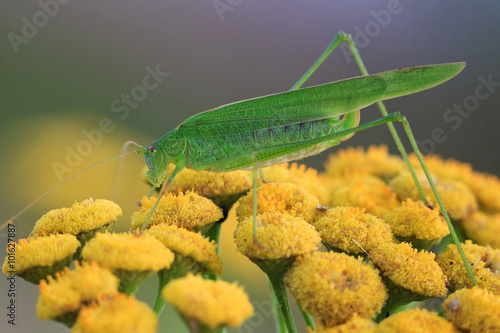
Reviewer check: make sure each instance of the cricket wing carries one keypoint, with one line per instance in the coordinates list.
(331, 100)
(411, 80)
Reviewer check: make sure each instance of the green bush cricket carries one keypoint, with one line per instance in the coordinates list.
(289, 126)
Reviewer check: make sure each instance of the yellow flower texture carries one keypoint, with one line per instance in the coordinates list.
(128, 251)
(458, 199)
(210, 184)
(484, 186)
(298, 174)
(278, 197)
(117, 315)
(410, 269)
(350, 230)
(334, 286)
(416, 321)
(81, 217)
(474, 310)
(222, 188)
(71, 289)
(355, 324)
(376, 161)
(215, 304)
(278, 236)
(484, 262)
(366, 192)
(35, 258)
(415, 219)
(483, 228)
(189, 244)
(189, 211)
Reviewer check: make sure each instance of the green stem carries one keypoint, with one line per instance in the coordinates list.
(280, 323)
(160, 303)
(275, 270)
(308, 319)
(283, 305)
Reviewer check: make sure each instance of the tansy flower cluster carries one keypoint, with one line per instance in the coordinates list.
(357, 246)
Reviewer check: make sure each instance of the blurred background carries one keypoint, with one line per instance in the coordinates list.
(79, 78)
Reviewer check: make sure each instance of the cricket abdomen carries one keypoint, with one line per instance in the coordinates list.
(270, 146)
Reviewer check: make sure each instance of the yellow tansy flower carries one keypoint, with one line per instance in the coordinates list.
(131, 257)
(60, 299)
(483, 228)
(484, 261)
(376, 160)
(213, 304)
(189, 244)
(223, 188)
(35, 258)
(278, 236)
(189, 211)
(484, 186)
(414, 271)
(277, 197)
(369, 193)
(81, 217)
(416, 321)
(415, 222)
(355, 324)
(474, 310)
(350, 230)
(120, 314)
(300, 175)
(457, 197)
(334, 286)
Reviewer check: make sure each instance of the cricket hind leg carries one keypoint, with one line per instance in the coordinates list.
(397, 117)
(343, 37)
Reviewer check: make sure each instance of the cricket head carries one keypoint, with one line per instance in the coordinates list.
(169, 149)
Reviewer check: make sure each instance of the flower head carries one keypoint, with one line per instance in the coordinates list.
(350, 230)
(120, 314)
(484, 186)
(375, 161)
(369, 193)
(300, 175)
(355, 324)
(484, 261)
(416, 221)
(333, 286)
(277, 197)
(483, 228)
(214, 304)
(186, 243)
(457, 197)
(474, 310)
(278, 236)
(406, 267)
(61, 298)
(189, 211)
(81, 217)
(131, 257)
(416, 320)
(223, 188)
(35, 258)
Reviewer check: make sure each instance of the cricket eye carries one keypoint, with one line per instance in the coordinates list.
(152, 151)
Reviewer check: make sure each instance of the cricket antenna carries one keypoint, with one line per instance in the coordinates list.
(115, 185)
(138, 151)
